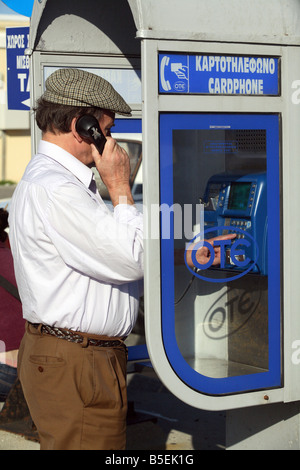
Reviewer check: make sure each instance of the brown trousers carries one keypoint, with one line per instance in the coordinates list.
(77, 396)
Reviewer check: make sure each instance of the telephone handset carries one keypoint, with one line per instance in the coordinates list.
(88, 128)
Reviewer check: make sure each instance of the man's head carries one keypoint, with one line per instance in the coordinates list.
(71, 93)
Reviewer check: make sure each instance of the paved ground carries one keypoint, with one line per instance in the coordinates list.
(178, 426)
(169, 425)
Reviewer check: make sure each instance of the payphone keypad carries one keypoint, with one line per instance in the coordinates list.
(237, 204)
(241, 224)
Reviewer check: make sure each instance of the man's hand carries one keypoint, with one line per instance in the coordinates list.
(114, 168)
(203, 254)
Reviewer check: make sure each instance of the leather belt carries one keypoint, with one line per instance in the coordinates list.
(74, 337)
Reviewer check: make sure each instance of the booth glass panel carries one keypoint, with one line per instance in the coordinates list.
(219, 175)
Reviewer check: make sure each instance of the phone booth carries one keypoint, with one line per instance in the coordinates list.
(218, 90)
(220, 133)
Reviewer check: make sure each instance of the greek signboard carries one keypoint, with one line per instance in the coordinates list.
(218, 75)
(18, 94)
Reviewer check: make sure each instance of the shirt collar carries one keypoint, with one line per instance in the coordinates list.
(68, 161)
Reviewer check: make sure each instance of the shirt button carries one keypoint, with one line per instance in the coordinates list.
(41, 369)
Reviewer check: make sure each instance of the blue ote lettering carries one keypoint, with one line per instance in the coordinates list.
(222, 244)
(237, 253)
(211, 255)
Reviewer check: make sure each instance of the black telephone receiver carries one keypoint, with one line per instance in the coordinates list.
(88, 128)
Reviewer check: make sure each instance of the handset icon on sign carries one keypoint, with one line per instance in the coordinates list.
(165, 83)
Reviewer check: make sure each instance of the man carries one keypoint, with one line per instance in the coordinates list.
(78, 267)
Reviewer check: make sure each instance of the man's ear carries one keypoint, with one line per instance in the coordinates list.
(74, 131)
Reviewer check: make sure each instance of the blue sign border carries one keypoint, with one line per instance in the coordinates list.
(195, 380)
(17, 94)
(218, 74)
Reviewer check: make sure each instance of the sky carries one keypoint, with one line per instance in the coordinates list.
(4, 10)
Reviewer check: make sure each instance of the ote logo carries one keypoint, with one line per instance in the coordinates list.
(238, 254)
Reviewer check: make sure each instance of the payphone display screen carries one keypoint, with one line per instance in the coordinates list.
(220, 178)
(239, 196)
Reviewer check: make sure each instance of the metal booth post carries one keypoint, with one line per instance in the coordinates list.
(217, 86)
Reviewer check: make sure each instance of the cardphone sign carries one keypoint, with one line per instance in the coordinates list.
(218, 75)
(18, 93)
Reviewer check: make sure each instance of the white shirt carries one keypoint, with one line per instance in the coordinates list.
(78, 265)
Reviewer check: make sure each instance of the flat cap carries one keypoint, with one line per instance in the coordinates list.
(76, 87)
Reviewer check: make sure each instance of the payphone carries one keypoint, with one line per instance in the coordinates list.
(221, 338)
(238, 204)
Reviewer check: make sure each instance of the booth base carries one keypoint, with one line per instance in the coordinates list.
(219, 368)
(270, 427)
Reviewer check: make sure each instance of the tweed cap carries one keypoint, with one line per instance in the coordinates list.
(75, 87)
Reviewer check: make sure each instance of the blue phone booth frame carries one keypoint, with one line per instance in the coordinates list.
(272, 378)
